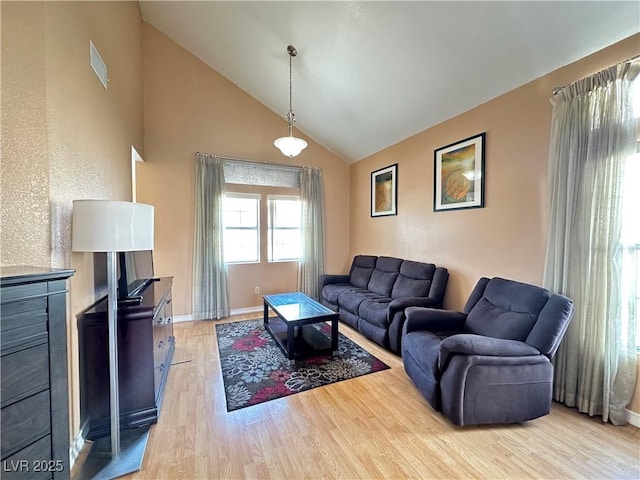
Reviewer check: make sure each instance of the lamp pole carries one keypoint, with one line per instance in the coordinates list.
(114, 396)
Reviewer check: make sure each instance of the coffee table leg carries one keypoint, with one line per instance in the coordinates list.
(266, 313)
(334, 335)
(291, 344)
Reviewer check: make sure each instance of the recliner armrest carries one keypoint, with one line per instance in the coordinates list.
(399, 304)
(433, 320)
(329, 279)
(471, 344)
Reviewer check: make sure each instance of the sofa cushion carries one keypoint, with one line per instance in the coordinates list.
(376, 311)
(384, 275)
(332, 291)
(414, 280)
(350, 300)
(361, 270)
(507, 309)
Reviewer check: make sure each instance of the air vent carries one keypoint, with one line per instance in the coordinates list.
(97, 64)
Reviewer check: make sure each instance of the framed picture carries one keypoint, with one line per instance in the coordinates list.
(384, 191)
(459, 175)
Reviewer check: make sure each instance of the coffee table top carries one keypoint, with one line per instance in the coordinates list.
(296, 306)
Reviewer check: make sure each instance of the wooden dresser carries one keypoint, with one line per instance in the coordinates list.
(145, 350)
(34, 393)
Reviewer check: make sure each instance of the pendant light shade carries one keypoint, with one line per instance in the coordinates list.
(290, 145)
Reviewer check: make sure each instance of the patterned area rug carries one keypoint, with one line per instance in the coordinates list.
(255, 370)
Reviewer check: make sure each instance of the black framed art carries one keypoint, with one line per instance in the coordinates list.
(459, 174)
(384, 191)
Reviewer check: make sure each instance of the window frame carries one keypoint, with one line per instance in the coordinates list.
(270, 228)
(248, 196)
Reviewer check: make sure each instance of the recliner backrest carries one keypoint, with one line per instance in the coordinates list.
(414, 280)
(507, 309)
(361, 270)
(384, 275)
(476, 295)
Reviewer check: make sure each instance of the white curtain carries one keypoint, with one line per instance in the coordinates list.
(312, 232)
(210, 285)
(593, 135)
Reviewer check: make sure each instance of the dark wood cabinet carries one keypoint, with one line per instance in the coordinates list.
(34, 393)
(145, 350)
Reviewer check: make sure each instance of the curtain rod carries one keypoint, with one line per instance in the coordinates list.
(628, 60)
(253, 162)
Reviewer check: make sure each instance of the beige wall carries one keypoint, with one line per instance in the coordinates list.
(190, 108)
(508, 236)
(64, 136)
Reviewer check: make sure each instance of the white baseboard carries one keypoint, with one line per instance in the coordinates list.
(235, 311)
(633, 418)
(74, 449)
(242, 311)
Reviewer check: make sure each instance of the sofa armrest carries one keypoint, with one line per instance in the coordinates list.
(329, 279)
(396, 316)
(433, 320)
(400, 304)
(470, 344)
(439, 286)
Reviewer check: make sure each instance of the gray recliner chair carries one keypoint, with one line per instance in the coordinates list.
(489, 363)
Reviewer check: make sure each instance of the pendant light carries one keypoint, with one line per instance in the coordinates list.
(290, 146)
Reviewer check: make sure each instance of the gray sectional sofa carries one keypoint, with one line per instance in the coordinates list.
(373, 297)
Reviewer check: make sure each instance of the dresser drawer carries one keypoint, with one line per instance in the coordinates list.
(31, 462)
(24, 373)
(16, 292)
(26, 305)
(18, 327)
(25, 422)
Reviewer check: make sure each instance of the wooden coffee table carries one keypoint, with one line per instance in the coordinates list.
(293, 328)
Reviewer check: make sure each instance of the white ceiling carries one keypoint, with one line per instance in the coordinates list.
(370, 74)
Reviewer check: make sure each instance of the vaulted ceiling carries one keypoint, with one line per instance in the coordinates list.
(370, 74)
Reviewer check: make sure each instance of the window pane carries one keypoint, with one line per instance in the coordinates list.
(284, 229)
(241, 212)
(285, 245)
(240, 245)
(241, 235)
(287, 214)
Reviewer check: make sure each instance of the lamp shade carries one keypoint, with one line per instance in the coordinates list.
(290, 146)
(111, 226)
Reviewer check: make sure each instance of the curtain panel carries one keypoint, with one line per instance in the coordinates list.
(593, 135)
(311, 266)
(210, 277)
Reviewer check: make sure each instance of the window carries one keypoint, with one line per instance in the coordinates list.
(284, 228)
(241, 228)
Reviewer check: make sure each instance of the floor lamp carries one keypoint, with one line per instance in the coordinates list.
(111, 227)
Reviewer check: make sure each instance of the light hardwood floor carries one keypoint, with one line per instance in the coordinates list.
(375, 426)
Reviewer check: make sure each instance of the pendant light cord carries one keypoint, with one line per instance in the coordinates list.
(290, 87)
(290, 115)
